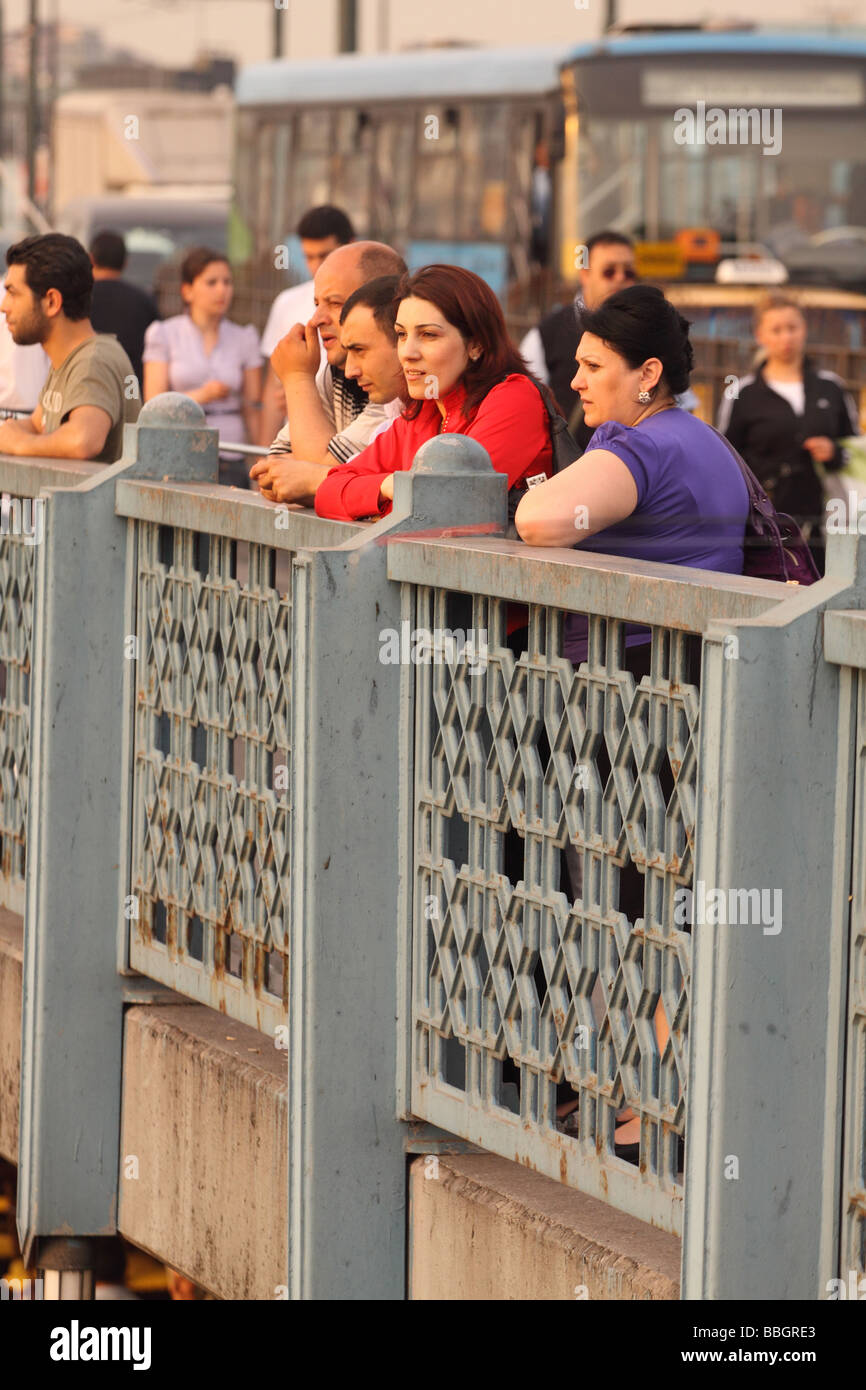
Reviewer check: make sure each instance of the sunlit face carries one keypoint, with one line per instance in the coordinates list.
(610, 268)
(608, 386)
(782, 332)
(25, 318)
(315, 251)
(211, 292)
(338, 276)
(433, 353)
(371, 357)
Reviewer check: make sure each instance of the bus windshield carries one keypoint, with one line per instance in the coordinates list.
(791, 181)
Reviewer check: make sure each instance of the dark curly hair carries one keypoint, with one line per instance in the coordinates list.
(56, 262)
(638, 323)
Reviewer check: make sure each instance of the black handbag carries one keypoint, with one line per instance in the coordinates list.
(773, 544)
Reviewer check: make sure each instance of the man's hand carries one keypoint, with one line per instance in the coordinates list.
(289, 479)
(298, 353)
(16, 437)
(386, 487)
(820, 447)
(261, 474)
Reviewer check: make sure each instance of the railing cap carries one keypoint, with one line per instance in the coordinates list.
(452, 453)
(170, 411)
(172, 440)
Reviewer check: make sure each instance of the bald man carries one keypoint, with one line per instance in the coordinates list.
(330, 419)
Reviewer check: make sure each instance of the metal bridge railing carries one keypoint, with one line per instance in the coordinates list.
(211, 827)
(554, 823)
(845, 644)
(465, 885)
(20, 531)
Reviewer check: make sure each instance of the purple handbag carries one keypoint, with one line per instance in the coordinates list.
(773, 545)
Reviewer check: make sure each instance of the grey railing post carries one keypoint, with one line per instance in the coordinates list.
(768, 996)
(77, 834)
(352, 794)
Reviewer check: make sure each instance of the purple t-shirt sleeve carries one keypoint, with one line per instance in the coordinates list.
(637, 451)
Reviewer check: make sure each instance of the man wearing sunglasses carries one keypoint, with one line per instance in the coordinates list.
(549, 349)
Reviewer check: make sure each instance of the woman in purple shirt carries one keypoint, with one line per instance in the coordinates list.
(655, 483)
(205, 356)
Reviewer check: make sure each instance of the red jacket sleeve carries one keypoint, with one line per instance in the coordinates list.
(512, 425)
(351, 490)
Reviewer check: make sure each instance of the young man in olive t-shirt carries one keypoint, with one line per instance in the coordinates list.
(92, 390)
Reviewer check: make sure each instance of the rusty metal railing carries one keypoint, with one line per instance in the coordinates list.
(20, 532)
(211, 761)
(554, 828)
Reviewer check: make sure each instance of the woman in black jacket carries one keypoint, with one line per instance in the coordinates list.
(787, 416)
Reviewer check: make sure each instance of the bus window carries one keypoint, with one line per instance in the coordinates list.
(311, 182)
(436, 174)
(805, 203)
(391, 210)
(351, 166)
(246, 142)
(264, 181)
(530, 191)
(314, 132)
(280, 208)
(611, 156)
(483, 203)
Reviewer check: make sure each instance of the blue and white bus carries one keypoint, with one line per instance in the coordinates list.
(507, 161)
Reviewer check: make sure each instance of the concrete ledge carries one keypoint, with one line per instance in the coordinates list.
(492, 1230)
(11, 956)
(205, 1118)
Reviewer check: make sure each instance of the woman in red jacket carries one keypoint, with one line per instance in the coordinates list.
(464, 376)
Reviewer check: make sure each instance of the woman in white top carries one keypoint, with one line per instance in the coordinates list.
(205, 356)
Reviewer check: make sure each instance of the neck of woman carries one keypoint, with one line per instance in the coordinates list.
(208, 323)
(778, 370)
(654, 408)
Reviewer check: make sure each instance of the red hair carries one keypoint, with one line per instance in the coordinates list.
(470, 306)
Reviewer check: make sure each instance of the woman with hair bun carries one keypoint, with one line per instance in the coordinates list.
(205, 356)
(655, 483)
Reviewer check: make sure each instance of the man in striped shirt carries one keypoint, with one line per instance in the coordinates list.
(330, 418)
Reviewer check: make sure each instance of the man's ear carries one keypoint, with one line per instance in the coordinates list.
(52, 303)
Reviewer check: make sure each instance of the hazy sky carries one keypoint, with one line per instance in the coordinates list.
(173, 31)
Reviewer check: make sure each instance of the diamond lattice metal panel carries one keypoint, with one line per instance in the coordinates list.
(210, 866)
(17, 575)
(555, 815)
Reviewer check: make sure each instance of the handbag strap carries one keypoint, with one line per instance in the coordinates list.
(758, 498)
(564, 448)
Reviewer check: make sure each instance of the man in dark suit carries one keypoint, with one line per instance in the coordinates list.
(119, 307)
